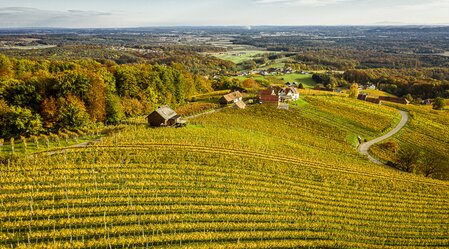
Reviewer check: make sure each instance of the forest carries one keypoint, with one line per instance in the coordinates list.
(41, 96)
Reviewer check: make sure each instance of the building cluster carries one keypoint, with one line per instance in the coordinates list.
(278, 96)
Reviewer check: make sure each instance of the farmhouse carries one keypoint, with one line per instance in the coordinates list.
(231, 98)
(289, 94)
(270, 95)
(165, 116)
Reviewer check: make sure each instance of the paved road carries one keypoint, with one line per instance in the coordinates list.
(364, 147)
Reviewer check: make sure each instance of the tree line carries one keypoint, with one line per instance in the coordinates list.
(39, 96)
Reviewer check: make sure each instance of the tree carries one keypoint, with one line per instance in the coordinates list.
(96, 99)
(250, 83)
(5, 66)
(408, 159)
(438, 103)
(409, 97)
(114, 110)
(18, 121)
(72, 113)
(354, 91)
(430, 164)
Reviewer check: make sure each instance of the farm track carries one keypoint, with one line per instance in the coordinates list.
(252, 154)
(364, 147)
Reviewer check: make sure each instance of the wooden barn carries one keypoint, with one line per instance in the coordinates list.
(165, 116)
(231, 98)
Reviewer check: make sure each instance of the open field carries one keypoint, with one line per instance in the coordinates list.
(238, 56)
(295, 181)
(305, 79)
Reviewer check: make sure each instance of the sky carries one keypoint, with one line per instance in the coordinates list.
(147, 13)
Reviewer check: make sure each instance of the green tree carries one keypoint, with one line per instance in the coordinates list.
(114, 110)
(438, 103)
(409, 97)
(18, 121)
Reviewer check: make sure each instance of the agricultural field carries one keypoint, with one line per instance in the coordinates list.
(294, 182)
(239, 56)
(305, 79)
(427, 131)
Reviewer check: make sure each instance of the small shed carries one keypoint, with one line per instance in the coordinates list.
(362, 96)
(165, 116)
(231, 98)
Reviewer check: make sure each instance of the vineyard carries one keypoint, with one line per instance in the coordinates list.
(427, 131)
(253, 178)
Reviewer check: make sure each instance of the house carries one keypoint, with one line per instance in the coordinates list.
(231, 98)
(362, 96)
(371, 87)
(270, 95)
(165, 116)
(240, 104)
(289, 94)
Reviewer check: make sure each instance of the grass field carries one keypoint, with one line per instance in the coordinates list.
(254, 178)
(305, 79)
(237, 56)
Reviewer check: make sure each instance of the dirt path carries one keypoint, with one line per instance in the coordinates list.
(364, 147)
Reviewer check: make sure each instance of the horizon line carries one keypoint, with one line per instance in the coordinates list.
(237, 26)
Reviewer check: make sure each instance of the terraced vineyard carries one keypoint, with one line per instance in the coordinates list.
(293, 182)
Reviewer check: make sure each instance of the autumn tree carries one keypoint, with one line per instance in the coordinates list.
(72, 113)
(353, 90)
(408, 159)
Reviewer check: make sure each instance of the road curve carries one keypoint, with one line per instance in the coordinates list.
(364, 147)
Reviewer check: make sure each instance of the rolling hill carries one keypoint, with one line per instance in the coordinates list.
(254, 178)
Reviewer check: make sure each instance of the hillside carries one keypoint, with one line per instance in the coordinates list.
(426, 132)
(254, 178)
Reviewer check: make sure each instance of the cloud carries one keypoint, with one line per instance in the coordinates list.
(428, 5)
(312, 3)
(15, 17)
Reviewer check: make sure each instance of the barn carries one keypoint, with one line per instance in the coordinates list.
(165, 116)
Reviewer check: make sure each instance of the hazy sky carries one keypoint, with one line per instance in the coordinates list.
(132, 13)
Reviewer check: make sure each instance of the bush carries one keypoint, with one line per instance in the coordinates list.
(438, 104)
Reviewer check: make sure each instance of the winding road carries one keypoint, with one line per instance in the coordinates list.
(364, 147)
